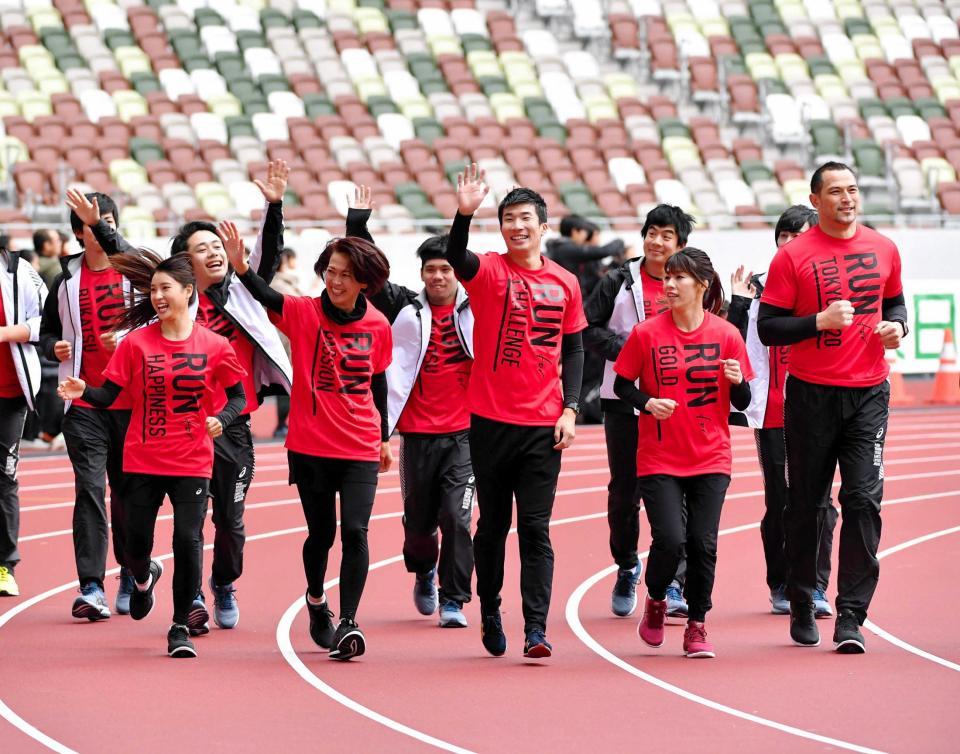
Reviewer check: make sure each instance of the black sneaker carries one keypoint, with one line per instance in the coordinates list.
(536, 645)
(321, 624)
(141, 602)
(803, 625)
(847, 639)
(348, 641)
(178, 642)
(198, 619)
(491, 633)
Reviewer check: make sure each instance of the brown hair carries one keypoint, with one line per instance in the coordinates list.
(370, 265)
(697, 265)
(139, 269)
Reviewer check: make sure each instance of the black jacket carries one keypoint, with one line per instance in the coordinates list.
(582, 260)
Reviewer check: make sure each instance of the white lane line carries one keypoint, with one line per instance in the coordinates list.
(896, 641)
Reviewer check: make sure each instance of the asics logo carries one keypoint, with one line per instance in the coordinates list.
(199, 491)
(243, 473)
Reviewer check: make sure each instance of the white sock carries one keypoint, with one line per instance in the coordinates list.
(142, 587)
(314, 601)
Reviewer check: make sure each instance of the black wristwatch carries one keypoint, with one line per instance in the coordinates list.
(572, 405)
(903, 325)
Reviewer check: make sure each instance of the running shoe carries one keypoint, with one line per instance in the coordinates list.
(321, 624)
(623, 602)
(695, 642)
(122, 603)
(198, 619)
(803, 625)
(451, 615)
(676, 604)
(651, 625)
(491, 633)
(226, 610)
(141, 601)
(92, 603)
(8, 584)
(847, 638)
(425, 592)
(779, 604)
(821, 605)
(348, 641)
(178, 642)
(536, 645)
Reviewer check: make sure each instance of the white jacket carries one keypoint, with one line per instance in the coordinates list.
(23, 294)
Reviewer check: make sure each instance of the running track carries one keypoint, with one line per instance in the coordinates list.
(66, 685)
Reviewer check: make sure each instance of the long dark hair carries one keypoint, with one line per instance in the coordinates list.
(139, 269)
(697, 265)
(370, 265)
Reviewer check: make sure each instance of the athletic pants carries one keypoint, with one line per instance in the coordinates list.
(623, 506)
(665, 497)
(513, 460)
(436, 481)
(826, 425)
(233, 467)
(773, 462)
(94, 438)
(13, 412)
(318, 481)
(188, 497)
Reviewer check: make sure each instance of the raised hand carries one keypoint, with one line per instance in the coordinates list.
(277, 173)
(71, 388)
(214, 427)
(87, 211)
(362, 198)
(836, 316)
(233, 246)
(731, 370)
(742, 284)
(471, 189)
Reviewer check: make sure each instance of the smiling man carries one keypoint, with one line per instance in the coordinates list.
(529, 316)
(834, 295)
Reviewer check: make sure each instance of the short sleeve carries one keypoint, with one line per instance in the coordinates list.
(629, 363)
(384, 349)
(739, 349)
(293, 310)
(228, 370)
(120, 367)
(489, 263)
(894, 285)
(781, 287)
(574, 320)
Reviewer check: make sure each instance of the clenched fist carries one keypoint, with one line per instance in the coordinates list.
(836, 316)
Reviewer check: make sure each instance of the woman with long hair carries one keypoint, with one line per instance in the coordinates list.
(681, 370)
(337, 440)
(176, 373)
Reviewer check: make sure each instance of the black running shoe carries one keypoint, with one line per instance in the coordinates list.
(803, 625)
(491, 632)
(348, 641)
(847, 638)
(536, 645)
(178, 642)
(321, 624)
(141, 602)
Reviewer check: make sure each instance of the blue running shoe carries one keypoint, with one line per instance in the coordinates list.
(676, 604)
(226, 611)
(536, 646)
(122, 603)
(624, 599)
(92, 603)
(198, 619)
(779, 604)
(451, 615)
(425, 592)
(491, 633)
(821, 605)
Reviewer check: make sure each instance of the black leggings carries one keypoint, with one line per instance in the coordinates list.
(664, 497)
(318, 481)
(188, 496)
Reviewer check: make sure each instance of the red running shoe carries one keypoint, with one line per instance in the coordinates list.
(695, 642)
(651, 625)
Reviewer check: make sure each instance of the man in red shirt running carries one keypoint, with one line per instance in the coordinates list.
(835, 296)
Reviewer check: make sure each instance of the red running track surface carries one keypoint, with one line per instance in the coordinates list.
(69, 685)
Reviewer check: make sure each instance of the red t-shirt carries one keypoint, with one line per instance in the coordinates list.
(101, 302)
(210, 317)
(684, 366)
(778, 359)
(520, 318)
(438, 402)
(653, 300)
(814, 270)
(9, 382)
(332, 414)
(175, 385)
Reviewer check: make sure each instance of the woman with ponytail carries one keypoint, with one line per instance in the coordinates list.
(681, 370)
(175, 373)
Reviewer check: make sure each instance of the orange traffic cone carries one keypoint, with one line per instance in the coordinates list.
(946, 386)
(898, 387)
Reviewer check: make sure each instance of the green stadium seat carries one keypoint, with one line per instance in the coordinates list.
(239, 125)
(898, 106)
(869, 158)
(318, 104)
(247, 38)
(827, 139)
(145, 83)
(207, 17)
(870, 106)
(306, 19)
(427, 130)
(401, 19)
(273, 82)
(271, 18)
(378, 104)
(145, 150)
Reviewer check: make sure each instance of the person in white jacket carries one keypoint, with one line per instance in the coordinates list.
(22, 294)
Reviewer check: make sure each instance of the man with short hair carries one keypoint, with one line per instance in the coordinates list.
(625, 297)
(47, 247)
(528, 318)
(835, 296)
